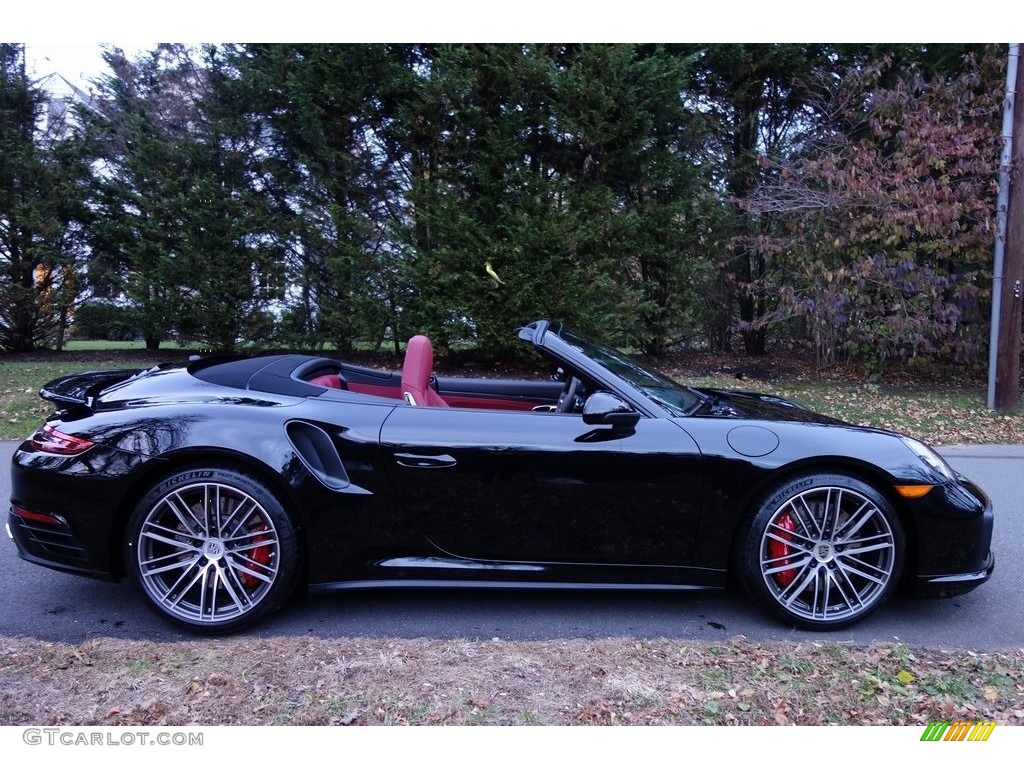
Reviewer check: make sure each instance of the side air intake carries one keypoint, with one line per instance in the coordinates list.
(317, 451)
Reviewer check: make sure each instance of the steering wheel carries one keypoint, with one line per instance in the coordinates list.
(567, 402)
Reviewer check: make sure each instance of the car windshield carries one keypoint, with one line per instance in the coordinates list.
(675, 397)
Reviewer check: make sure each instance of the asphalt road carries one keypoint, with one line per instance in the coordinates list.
(47, 605)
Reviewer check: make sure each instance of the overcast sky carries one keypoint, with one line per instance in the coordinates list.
(73, 60)
(200, 21)
(59, 34)
(78, 62)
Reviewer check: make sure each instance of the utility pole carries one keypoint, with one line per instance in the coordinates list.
(1007, 369)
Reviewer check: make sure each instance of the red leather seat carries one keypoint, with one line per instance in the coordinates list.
(330, 380)
(416, 372)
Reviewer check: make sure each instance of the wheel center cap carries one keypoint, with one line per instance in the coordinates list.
(824, 551)
(213, 549)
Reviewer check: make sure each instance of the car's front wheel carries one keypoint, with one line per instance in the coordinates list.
(822, 551)
(212, 549)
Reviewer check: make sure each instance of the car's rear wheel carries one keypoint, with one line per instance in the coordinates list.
(212, 549)
(822, 551)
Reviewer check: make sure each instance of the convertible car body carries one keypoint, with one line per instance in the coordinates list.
(221, 486)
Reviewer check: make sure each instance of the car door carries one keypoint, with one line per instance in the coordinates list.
(543, 487)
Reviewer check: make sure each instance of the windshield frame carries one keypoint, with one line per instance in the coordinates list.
(655, 387)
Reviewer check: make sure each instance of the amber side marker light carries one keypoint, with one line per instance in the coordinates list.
(912, 491)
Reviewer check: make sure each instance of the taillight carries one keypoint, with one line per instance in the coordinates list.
(49, 440)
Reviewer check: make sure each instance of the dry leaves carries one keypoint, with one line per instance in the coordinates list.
(357, 681)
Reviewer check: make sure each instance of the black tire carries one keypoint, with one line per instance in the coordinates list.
(212, 550)
(821, 551)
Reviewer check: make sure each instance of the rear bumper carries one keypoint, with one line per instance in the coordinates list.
(64, 509)
(52, 546)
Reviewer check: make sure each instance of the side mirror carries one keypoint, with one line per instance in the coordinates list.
(606, 408)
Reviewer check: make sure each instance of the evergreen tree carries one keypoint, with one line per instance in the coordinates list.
(182, 227)
(564, 170)
(333, 164)
(41, 168)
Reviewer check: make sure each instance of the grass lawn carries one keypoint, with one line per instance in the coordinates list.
(80, 345)
(21, 410)
(938, 415)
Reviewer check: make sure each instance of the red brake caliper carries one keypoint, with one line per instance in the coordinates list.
(778, 549)
(261, 555)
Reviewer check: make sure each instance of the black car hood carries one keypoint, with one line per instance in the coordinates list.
(735, 404)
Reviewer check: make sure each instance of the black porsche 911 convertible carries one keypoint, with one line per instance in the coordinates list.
(221, 486)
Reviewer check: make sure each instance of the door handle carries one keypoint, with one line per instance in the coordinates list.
(423, 461)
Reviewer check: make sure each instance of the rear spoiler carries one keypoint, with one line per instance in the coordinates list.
(79, 389)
